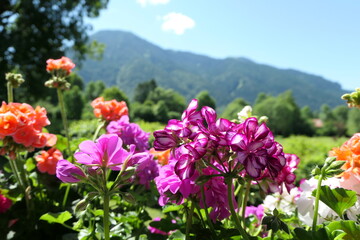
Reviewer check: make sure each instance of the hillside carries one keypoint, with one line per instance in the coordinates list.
(129, 60)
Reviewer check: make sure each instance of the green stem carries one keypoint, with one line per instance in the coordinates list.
(211, 226)
(64, 120)
(239, 193)
(10, 92)
(244, 202)
(106, 216)
(67, 190)
(189, 220)
(101, 125)
(232, 210)
(317, 199)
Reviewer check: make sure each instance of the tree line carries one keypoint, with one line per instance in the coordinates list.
(152, 103)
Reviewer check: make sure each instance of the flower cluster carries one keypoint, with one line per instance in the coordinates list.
(108, 152)
(200, 136)
(63, 64)
(21, 124)
(350, 153)
(109, 110)
(200, 142)
(130, 133)
(59, 69)
(286, 176)
(47, 160)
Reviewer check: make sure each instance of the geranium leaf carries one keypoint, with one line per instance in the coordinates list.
(338, 199)
(60, 217)
(346, 230)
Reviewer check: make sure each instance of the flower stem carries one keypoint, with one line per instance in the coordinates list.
(64, 120)
(211, 226)
(244, 202)
(317, 199)
(232, 210)
(106, 221)
(67, 190)
(10, 92)
(101, 125)
(189, 220)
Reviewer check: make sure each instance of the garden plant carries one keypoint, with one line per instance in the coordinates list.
(202, 177)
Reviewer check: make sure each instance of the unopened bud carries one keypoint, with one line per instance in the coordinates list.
(14, 79)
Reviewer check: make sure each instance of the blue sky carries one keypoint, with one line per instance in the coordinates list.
(321, 37)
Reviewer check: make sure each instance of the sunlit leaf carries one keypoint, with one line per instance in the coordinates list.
(60, 217)
(338, 199)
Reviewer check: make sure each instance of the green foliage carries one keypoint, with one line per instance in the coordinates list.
(233, 108)
(74, 103)
(204, 99)
(143, 90)
(94, 89)
(311, 150)
(75, 80)
(114, 93)
(352, 124)
(36, 30)
(160, 105)
(338, 199)
(346, 230)
(60, 218)
(276, 108)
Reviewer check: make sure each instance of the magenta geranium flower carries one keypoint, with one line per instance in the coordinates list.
(257, 150)
(68, 172)
(130, 133)
(172, 188)
(106, 152)
(5, 203)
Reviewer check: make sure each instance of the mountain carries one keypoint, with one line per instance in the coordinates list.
(129, 60)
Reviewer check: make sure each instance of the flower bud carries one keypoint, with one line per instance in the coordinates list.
(14, 79)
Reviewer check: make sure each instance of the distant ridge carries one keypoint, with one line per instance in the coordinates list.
(129, 60)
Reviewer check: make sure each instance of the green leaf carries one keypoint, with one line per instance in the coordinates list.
(29, 165)
(177, 235)
(338, 199)
(347, 230)
(172, 208)
(60, 217)
(165, 225)
(302, 234)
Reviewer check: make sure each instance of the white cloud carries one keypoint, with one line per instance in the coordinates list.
(177, 23)
(143, 3)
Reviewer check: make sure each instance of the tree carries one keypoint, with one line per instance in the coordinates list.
(76, 80)
(204, 99)
(32, 31)
(283, 113)
(353, 121)
(174, 101)
(114, 93)
(233, 108)
(143, 90)
(74, 103)
(94, 89)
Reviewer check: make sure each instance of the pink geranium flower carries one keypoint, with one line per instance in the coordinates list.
(107, 152)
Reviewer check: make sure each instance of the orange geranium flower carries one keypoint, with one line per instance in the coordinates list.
(47, 160)
(161, 156)
(8, 124)
(350, 153)
(109, 110)
(64, 63)
(21, 124)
